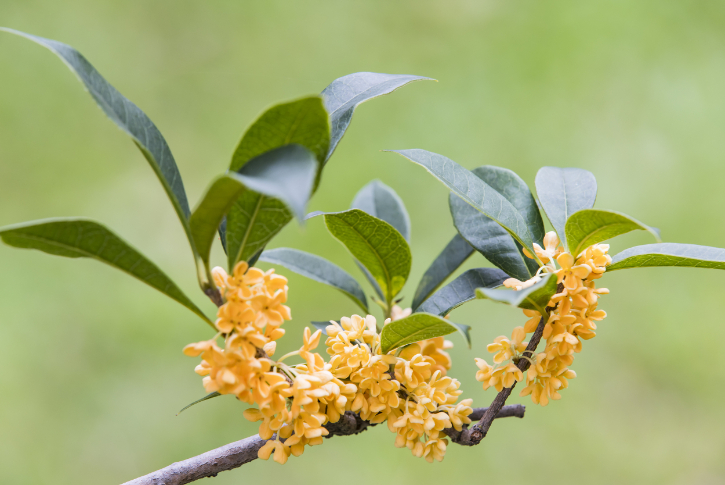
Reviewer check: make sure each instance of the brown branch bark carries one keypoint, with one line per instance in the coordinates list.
(480, 429)
(236, 454)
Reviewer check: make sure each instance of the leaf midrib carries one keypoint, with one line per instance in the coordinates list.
(252, 219)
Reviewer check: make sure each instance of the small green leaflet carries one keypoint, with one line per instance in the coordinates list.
(376, 245)
(414, 328)
(474, 191)
(535, 297)
(456, 252)
(318, 269)
(82, 238)
(592, 226)
(344, 94)
(669, 254)
(564, 191)
(379, 200)
(211, 395)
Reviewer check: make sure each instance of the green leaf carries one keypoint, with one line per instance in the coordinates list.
(474, 191)
(286, 173)
(487, 236)
(255, 219)
(669, 254)
(564, 191)
(592, 226)
(462, 290)
(318, 269)
(379, 200)
(370, 279)
(456, 252)
(211, 395)
(303, 121)
(507, 183)
(130, 119)
(535, 297)
(376, 245)
(81, 238)
(344, 94)
(413, 328)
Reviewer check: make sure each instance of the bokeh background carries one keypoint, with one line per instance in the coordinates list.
(92, 370)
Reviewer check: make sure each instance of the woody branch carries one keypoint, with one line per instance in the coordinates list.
(240, 452)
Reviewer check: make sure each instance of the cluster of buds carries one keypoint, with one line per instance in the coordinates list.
(410, 391)
(572, 318)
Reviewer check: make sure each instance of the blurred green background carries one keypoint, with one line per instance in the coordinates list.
(92, 370)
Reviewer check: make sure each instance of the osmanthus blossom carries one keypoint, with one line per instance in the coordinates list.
(573, 316)
(294, 402)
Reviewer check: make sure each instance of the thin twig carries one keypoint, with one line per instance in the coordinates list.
(463, 437)
(236, 454)
(480, 429)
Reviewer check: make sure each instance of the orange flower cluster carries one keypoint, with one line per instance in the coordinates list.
(294, 402)
(572, 320)
(315, 398)
(410, 391)
(249, 321)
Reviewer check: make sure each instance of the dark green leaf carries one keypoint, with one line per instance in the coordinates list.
(535, 297)
(475, 192)
(414, 328)
(255, 219)
(487, 236)
(456, 252)
(564, 191)
(318, 269)
(376, 245)
(669, 254)
(511, 186)
(379, 200)
(208, 396)
(462, 290)
(490, 239)
(81, 238)
(344, 94)
(592, 226)
(303, 121)
(281, 179)
(286, 173)
(129, 118)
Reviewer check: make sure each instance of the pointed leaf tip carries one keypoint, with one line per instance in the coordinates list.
(345, 94)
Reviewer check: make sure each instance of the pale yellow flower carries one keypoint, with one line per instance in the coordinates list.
(551, 248)
(571, 275)
(507, 348)
(519, 285)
